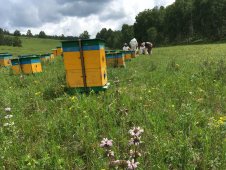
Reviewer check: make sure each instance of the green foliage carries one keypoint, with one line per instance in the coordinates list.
(152, 35)
(63, 37)
(1, 37)
(8, 41)
(84, 35)
(29, 34)
(17, 42)
(42, 34)
(17, 33)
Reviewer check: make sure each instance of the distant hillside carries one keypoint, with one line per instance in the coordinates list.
(32, 46)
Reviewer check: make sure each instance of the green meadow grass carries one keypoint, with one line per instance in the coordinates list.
(30, 46)
(177, 95)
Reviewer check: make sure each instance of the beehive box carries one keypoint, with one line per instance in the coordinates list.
(51, 55)
(127, 55)
(94, 63)
(5, 59)
(15, 66)
(107, 52)
(45, 57)
(59, 51)
(111, 59)
(112, 51)
(54, 51)
(30, 65)
(133, 54)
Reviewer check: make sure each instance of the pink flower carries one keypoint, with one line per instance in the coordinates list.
(136, 131)
(132, 165)
(8, 116)
(106, 143)
(135, 141)
(7, 109)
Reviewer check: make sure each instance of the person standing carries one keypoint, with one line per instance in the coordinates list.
(149, 46)
(125, 48)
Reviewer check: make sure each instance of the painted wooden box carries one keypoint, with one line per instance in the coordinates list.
(127, 55)
(15, 66)
(54, 51)
(94, 63)
(31, 65)
(5, 59)
(59, 51)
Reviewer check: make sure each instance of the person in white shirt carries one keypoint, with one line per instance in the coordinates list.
(125, 48)
(143, 49)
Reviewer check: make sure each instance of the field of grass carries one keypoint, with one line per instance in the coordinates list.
(177, 96)
(30, 46)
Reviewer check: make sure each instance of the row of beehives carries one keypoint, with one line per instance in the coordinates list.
(25, 64)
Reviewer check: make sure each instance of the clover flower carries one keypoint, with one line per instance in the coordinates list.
(8, 116)
(7, 109)
(106, 143)
(132, 165)
(136, 131)
(8, 124)
(113, 164)
(135, 141)
(108, 153)
(134, 154)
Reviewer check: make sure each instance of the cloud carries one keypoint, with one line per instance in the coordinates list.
(71, 17)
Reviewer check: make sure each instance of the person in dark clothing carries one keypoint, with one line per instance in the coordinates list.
(149, 46)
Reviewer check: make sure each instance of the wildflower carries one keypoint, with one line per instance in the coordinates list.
(8, 124)
(31, 98)
(106, 143)
(113, 164)
(132, 165)
(135, 141)
(10, 87)
(200, 90)
(122, 164)
(216, 84)
(62, 85)
(70, 108)
(136, 131)
(164, 84)
(221, 117)
(172, 105)
(190, 93)
(134, 154)
(36, 93)
(108, 153)
(177, 65)
(22, 76)
(149, 91)
(197, 123)
(8, 116)
(220, 121)
(73, 98)
(7, 109)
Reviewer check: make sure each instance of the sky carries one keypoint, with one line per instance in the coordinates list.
(71, 17)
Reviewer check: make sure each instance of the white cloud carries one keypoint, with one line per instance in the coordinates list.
(72, 17)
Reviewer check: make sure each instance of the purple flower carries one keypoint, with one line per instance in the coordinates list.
(8, 116)
(132, 165)
(108, 153)
(7, 109)
(106, 143)
(136, 131)
(135, 141)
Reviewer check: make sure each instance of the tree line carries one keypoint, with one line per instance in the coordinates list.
(182, 21)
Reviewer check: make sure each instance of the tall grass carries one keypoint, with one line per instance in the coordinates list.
(177, 95)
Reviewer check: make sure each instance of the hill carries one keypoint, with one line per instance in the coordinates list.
(31, 46)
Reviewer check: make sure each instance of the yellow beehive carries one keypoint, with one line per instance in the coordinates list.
(111, 59)
(59, 51)
(15, 66)
(31, 65)
(5, 59)
(127, 55)
(92, 59)
(54, 51)
(94, 63)
(133, 54)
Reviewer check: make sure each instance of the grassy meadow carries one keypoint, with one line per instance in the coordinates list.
(176, 95)
(31, 46)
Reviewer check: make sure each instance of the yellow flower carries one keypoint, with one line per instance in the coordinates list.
(221, 117)
(10, 87)
(73, 98)
(62, 85)
(31, 98)
(150, 100)
(172, 105)
(149, 91)
(36, 93)
(220, 121)
(35, 81)
(153, 88)
(145, 105)
(164, 84)
(200, 90)
(70, 108)
(177, 65)
(216, 84)
(197, 123)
